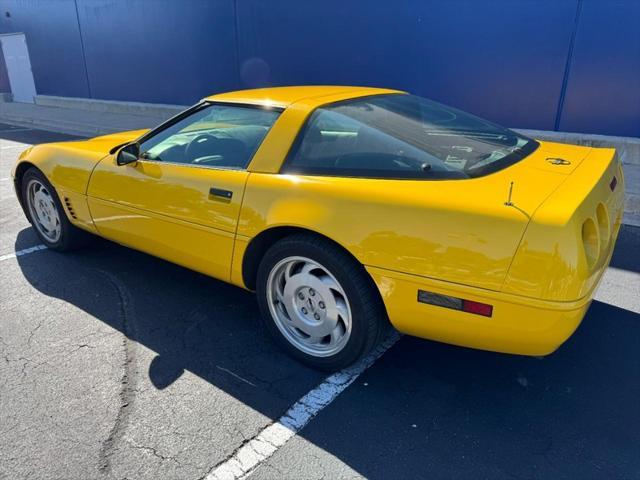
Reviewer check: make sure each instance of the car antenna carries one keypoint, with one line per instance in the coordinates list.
(509, 203)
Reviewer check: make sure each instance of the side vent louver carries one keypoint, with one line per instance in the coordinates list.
(67, 204)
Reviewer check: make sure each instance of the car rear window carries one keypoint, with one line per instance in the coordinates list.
(402, 136)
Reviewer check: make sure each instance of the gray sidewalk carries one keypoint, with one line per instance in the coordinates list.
(96, 117)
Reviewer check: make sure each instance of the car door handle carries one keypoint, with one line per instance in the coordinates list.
(221, 192)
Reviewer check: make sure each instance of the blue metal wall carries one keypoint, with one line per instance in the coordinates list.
(53, 37)
(603, 82)
(572, 65)
(164, 51)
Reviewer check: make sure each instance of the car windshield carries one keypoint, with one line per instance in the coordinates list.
(403, 136)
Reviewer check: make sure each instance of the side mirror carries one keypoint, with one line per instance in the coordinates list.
(128, 154)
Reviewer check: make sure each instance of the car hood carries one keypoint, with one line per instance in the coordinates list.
(105, 143)
(91, 150)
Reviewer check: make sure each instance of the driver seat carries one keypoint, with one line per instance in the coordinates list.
(232, 151)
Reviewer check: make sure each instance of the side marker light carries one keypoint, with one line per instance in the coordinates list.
(455, 303)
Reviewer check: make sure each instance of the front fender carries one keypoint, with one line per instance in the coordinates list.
(68, 165)
(65, 166)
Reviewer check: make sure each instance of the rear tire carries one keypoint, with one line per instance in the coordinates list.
(319, 303)
(47, 215)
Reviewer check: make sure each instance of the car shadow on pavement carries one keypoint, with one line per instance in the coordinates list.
(424, 409)
(429, 410)
(191, 321)
(626, 255)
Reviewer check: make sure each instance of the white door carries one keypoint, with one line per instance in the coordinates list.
(16, 57)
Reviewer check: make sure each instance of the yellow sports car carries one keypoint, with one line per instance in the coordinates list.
(345, 208)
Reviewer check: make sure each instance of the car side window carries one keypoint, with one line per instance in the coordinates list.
(216, 135)
(336, 144)
(402, 136)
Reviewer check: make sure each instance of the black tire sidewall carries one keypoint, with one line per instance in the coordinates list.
(65, 226)
(346, 271)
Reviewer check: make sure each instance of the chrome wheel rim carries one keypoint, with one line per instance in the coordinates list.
(309, 306)
(43, 210)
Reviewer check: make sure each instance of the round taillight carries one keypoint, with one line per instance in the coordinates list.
(590, 241)
(604, 226)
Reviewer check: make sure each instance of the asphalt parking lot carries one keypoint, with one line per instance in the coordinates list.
(119, 365)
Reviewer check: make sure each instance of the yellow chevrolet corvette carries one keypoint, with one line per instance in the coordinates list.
(346, 208)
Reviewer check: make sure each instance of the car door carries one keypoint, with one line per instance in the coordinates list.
(181, 200)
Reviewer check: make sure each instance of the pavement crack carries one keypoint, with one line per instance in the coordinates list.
(128, 378)
(157, 454)
(33, 331)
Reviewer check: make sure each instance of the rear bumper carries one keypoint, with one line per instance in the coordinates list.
(518, 325)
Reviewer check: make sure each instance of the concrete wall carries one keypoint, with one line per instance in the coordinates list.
(570, 65)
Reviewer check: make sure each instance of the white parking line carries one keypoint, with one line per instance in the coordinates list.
(252, 453)
(20, 253)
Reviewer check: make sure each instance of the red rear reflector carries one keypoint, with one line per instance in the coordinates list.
(613, 184)
(478, 308)
(455, 303)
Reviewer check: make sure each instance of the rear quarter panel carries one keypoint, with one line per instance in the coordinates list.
(458, 231)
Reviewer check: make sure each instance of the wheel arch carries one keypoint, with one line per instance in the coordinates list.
(21, 169)
(259, 245)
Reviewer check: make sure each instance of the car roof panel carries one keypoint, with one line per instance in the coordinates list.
(283, 97)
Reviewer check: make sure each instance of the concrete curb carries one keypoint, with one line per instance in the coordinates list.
(101, 118)
(70, 128)
(61, 126)
(111, 106)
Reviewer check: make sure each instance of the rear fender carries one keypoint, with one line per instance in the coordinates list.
(570, 239)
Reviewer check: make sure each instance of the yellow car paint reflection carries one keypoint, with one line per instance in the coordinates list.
(535, 254)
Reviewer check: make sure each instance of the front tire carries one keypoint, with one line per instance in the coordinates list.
(46, 214)
(319, 303)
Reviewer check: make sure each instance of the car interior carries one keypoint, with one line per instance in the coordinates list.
(229, 147)
(362, 148)
(214, 135)
(395, 146)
